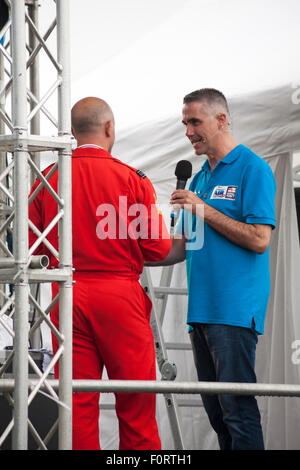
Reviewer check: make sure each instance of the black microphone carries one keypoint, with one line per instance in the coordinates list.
(183, 171)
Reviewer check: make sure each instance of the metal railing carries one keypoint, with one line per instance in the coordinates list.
(164, 387)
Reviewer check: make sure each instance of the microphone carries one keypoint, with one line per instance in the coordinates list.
(183, 171)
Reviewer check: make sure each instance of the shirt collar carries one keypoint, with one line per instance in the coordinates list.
(229, 158)
(206, 167)
(232, 155)
(90, 151)
(90, 146)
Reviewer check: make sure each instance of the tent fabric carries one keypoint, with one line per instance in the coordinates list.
(268, 123)
(276, 349)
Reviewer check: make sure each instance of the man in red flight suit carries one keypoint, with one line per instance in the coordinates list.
(116, 227)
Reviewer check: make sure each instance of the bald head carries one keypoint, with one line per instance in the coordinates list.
(93, 120)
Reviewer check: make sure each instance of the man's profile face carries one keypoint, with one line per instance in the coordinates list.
(201, 126)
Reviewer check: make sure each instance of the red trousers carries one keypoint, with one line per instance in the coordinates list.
(111, 328)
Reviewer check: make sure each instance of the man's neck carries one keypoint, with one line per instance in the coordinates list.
(220, 152)
(92, 141)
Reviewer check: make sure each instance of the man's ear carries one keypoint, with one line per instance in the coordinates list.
(73, 132)
(108, 128)
(222, 119)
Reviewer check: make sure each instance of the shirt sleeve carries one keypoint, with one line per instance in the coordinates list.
(35, 212)
(259, 188)
(154, 239)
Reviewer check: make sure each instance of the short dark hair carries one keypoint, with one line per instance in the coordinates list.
(210, 95)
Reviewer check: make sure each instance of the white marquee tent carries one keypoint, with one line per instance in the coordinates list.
(143, 57)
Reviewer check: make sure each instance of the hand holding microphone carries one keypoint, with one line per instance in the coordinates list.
(183, 171)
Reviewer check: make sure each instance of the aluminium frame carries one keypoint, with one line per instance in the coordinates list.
(19, 268)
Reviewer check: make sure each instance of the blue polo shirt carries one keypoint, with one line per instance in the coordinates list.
(228, 284)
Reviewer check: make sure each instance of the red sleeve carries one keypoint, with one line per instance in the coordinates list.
(35, 212)
(154, 240)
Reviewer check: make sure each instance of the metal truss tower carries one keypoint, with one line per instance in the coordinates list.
(20, 271)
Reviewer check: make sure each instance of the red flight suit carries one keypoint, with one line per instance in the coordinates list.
(110, 309)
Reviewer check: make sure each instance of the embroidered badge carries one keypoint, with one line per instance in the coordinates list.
(231, 192)
(140, 173)
(224, 192)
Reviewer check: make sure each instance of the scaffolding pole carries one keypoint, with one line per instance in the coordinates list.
(65, 227)
(20, 249)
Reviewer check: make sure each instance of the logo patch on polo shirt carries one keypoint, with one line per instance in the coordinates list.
(224, 192)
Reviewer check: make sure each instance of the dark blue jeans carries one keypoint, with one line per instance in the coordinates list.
(225, 353)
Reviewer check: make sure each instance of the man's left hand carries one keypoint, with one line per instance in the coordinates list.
(187, 200)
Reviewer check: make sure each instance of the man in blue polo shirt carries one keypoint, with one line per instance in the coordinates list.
(230, 203)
